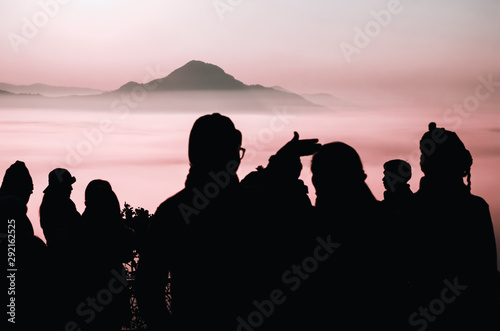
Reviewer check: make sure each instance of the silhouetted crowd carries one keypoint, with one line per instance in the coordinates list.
(255, 254)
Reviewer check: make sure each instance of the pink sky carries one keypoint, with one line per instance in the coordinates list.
(295, 44)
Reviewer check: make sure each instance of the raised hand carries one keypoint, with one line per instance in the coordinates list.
(299, 147)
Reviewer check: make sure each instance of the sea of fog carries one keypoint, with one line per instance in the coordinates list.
(143, 154)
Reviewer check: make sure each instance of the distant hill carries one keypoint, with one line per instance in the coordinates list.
(198, 76)
(5, 92)
(48, 90)
(193, 76)
(196, 86)
(327, 100)
(281, 89)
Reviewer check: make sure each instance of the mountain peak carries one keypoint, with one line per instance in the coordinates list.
(200, 65)
(198, 75)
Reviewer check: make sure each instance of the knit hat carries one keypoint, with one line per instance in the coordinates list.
(443, 153)
(17, 179)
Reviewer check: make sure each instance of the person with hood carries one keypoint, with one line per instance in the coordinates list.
(453, 242)
(107, 244)
(357, 284)
(58, 215)
(61, 224)
(24, 254)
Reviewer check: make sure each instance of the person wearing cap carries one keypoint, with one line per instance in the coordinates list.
(58, 214)
(30, 251)
(453, 242)
(61, 223)
(212, 237)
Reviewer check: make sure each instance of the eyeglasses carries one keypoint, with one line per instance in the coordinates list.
(242, 152)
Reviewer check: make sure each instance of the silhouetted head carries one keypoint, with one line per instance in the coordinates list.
(213, 142)
(396, 173)
(444, 155)
(60, 182)
(99, 197)
(337, 168)
(17, 182)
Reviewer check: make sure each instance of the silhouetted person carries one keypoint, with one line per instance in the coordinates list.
(213, 238)
(61, 223)
(107, 243)
(354, 287)
(397, 193)
(454, 250)
(27, 254)
(15, 192)
(58, 215)
(397, 211)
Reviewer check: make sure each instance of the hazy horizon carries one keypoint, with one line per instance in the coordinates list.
(143, 154)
